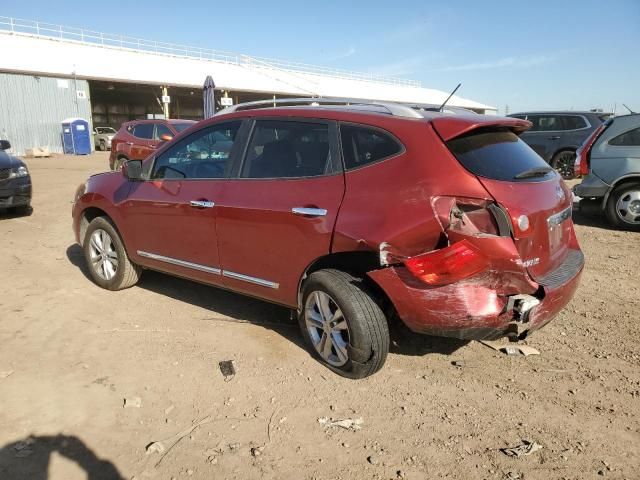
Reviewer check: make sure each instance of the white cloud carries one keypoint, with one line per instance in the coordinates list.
(350, 52)
(399, 68)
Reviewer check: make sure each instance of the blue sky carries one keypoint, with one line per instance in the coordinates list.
(527, 55)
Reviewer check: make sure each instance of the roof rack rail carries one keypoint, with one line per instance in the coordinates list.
(390, 108)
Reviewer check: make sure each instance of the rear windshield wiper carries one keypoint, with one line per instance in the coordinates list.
(534, 172)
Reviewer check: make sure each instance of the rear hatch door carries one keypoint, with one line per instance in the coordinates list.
(534, 195)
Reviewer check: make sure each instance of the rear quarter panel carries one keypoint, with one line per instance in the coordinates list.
(612, 162)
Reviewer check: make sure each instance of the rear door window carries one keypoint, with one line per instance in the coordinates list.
(288, 149)
(573, 122)
(143, 130)
(498, 155)
(627, 139)
(364, 145)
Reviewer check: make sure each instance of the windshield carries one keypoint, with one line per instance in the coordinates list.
(499, 155)
(181, 126)
(105, 130)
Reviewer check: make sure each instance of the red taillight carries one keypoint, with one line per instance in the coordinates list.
(447, 265)
(581, 165)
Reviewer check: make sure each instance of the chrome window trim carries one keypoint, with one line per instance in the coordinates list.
(249, 279)
(180, 263)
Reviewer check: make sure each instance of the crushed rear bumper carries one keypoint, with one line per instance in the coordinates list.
(479, 308)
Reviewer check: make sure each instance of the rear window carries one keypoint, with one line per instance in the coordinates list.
(498, 155)
(362, 145)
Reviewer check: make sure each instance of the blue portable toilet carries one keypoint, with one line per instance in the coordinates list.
(76, 137)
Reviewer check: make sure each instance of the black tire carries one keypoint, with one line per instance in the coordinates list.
(102, 146)
(563, 163)
(615, 214)
(126, 273)
(22, 210)
(368, 331)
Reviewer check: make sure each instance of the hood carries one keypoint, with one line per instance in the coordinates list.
(9, 161)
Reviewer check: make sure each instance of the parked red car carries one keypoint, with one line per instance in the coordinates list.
(351, 215)
(138, 139)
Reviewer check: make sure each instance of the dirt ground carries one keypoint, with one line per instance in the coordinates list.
(70, 353)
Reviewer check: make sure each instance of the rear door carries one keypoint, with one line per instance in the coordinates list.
(534, 195)
(277, 216)
(545, 134)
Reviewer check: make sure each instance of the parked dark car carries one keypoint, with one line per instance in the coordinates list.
(350, 216)
(610, 163)
(556, 136)
(15, 181)
(137, 139)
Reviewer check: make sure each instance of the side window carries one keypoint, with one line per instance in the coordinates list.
(627, 139)
(550, 123)
(289, 149)
(363, 145)
(143, 130)
(162, 129)
(205, 154)
(573, 122)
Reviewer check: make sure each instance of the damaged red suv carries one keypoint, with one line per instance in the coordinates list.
(351, 214)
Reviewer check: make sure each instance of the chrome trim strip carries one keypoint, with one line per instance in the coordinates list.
(247, 278)
(201, 204)
(313, 212)
(180, 263)
(559, 217)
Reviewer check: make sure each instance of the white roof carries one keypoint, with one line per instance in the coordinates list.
(38, 54)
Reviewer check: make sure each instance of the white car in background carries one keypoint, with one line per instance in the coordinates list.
(102, 137)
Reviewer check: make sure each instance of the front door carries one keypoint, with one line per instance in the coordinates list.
(172, 214)
(278, 215)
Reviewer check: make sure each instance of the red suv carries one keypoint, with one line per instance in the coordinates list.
(136, 140)
(352, 215)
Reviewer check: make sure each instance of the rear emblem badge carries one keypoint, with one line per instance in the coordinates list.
(559, 192)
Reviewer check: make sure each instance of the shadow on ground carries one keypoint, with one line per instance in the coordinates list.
(28, 459)
(15, 212)
(232, 307)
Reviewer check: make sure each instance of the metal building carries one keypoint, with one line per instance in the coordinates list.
(33, 107)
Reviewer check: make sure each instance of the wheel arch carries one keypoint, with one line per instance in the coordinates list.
(88, 215)
(630, 178)
(357, 263)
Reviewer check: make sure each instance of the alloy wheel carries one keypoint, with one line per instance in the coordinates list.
(628, 207)
(564, 165)
(327, 328)
(104, 257)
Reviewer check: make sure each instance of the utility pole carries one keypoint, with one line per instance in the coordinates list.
(165, 102)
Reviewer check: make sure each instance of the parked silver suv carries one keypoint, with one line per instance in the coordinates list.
(610, 161)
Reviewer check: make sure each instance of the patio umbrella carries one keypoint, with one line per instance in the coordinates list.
(209, 97)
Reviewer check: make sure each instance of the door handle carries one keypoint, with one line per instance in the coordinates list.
(201, 204)
(309, 212)
(129, 143)
(555, 137)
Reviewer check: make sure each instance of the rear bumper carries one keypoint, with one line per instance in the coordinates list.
(591, 187)
(15, 192)
(479, 308)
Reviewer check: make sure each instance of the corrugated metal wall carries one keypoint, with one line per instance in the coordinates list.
(32, 109)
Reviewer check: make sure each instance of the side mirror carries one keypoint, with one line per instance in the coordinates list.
(165, 137)
(5, 145)
(132, 169)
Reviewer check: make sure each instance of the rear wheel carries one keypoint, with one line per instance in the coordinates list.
(118, 163)
(623, 207)
(106, 257)
(563, 163)
(344, 326)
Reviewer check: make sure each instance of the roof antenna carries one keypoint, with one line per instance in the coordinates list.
(449, 97)
(630, 111)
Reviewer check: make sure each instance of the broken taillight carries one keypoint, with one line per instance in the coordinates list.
(447, 265)
(472, 216)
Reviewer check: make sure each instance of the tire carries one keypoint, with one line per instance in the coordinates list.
(102, 245)
(102, 146)
(118, 163)
(623, 207)
(563, 163)
(360, 344)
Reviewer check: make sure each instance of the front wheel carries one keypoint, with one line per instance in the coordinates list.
(106, 257)
(343, 324)
(623, 207)
(563, 163)
(103, 146)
